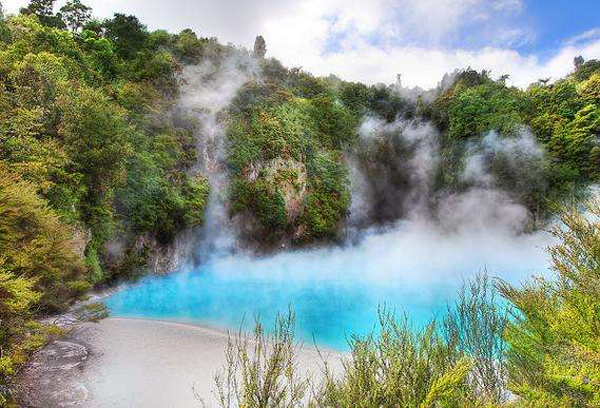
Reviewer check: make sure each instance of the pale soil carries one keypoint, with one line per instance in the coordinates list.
(122, 362)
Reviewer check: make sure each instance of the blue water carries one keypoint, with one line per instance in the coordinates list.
(329, 310)
(335, 292)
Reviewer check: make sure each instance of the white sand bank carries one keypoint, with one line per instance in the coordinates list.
(145, 363)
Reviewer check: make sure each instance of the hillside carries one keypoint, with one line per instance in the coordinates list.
(114, 139)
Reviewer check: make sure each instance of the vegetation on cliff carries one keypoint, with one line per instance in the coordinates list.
(98, 168)
(91, 152)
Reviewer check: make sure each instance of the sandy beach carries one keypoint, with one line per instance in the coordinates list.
(122, 362)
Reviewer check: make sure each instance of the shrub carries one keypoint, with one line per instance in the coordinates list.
(554, 337)
(261, 370)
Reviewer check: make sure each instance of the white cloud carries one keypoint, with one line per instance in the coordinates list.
(588, 35)
(370, 42)
(299, 39)
(425, 66)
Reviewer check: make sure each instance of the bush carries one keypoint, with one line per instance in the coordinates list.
(35, 243)
(400, 367)
(261, 371)
(554, 337)
(461, 363)
(475, 324)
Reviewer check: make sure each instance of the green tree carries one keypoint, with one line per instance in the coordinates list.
(98, 137)
(44, 9)
(17, 296)
(75, 14)
(35, 243)
(41, 8)
(126, 33)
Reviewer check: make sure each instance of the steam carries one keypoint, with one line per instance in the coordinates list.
(432, 236)
(440, 237)
(518, 152)
(415, 93)
(412, 240)
(208, 90)
(420, 259)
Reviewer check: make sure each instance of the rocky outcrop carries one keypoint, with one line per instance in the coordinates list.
(289, 177)
(145, 252)
(51, 377)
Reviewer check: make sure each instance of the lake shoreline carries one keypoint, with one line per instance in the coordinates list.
(122, 361)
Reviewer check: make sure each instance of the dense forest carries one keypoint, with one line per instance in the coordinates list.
(100, 173)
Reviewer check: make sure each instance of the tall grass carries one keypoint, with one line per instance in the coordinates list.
(398, 367)
(475, 325)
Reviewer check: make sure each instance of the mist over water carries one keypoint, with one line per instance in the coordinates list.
(413, 268)
(408, 246)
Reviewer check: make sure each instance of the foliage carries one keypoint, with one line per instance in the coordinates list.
(81, 142)
(475, 324)
(126, 33)
(378, 100)
(566, 119)
(329, 198)
(44, 10)
(39, 269)
(553, 339)
(17, 295)
(89, 154)
(35, 243)
(301, 134)
(400, 367)
(460, 363)
(75, 14)
(476, 110)
(261, 371)
(563, 116)
(93, 152)
(396, 366)
(260, 47)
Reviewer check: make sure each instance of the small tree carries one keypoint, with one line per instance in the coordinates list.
(399, 367)
(554, 339)
(475, 324)
(44, 10)
(260, 47)
(127, 33)
(261, 371)
(17, 295)
(578, 62)
(41, 8)
(75, 14)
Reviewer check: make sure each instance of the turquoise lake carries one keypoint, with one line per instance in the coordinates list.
(334, 292)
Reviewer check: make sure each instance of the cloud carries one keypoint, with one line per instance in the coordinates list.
(422, 66)
(370, 42)
(593, 34)
(231, 20)
(371, 53)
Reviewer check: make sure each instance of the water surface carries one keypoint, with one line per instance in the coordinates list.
(334, 292)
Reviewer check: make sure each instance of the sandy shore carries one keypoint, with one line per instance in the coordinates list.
(122, 362)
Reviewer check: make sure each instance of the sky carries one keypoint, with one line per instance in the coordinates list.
(377, 40)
